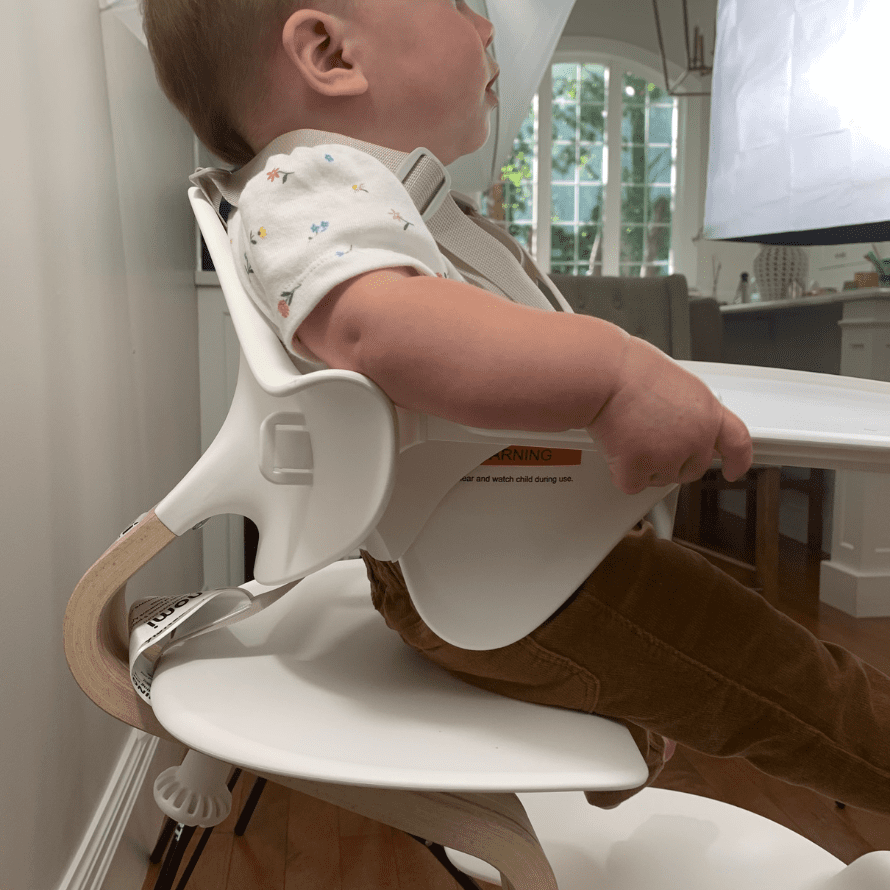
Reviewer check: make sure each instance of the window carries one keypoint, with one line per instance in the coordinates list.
(607, 180)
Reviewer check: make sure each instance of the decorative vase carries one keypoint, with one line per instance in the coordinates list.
(777, 267)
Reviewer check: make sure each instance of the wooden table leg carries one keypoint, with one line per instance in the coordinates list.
(766, 557)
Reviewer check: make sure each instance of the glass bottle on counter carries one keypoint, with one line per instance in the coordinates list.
(743, 293)
(753, 291)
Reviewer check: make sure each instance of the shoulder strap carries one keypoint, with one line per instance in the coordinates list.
(486, 255)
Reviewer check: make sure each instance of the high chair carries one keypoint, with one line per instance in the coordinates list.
(307, 687)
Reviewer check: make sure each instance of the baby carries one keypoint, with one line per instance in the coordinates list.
(335, 254)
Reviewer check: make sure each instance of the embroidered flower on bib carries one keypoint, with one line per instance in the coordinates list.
(278, 173)
(317, 229)
(399, 218)
(285, 301)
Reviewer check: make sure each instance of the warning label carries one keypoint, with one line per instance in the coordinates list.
(525, 456)
(543, 458)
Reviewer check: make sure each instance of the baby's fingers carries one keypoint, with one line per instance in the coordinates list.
(734, 446)
(625, 479)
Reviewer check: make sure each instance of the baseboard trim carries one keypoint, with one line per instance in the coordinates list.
(93, 858)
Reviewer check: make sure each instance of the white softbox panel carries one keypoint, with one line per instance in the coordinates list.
(800, 141)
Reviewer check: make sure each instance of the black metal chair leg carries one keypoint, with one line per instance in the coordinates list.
(163, 839)
(193, 861)
(202, 841)
(465, 881)
(166, 832)
(240, 828)
(181, 838)
(250, 806)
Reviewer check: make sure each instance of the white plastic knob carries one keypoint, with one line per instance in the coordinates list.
(195, 793)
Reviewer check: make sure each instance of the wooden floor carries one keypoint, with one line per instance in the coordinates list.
(297, 842)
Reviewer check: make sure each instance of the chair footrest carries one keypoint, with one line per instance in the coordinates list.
(661, 839)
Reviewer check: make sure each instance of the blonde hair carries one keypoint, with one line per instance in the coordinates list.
(209, 60)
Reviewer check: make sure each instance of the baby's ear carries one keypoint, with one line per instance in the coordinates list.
(319, 48)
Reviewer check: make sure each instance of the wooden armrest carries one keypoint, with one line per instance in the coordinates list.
(95, 630)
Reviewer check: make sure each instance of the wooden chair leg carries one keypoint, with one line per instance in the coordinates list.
(751, 514)
(694, 494)
(816, 501)
(767, 544)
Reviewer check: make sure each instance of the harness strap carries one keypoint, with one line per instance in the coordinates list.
(485, 254)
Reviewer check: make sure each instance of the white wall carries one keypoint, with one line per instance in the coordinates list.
(99, 408)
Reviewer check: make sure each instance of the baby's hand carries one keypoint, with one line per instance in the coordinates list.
(662, 425)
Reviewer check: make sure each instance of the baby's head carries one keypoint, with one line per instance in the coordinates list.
(400, 73)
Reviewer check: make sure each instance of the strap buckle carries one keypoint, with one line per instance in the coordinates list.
(439, 196)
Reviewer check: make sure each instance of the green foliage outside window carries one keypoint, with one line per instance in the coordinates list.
(518, 190)
(647, 188)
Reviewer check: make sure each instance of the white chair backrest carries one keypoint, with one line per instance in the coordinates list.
(486, 556)
(309, 458)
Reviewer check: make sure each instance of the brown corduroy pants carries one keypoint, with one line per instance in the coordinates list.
(662, 641)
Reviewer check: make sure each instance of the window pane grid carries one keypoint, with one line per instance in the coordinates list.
(648, 175)
(577, 179)
(646, 140)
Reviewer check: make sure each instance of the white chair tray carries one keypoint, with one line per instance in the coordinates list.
(801, 419)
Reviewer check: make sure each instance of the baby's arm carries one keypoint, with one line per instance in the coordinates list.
(453, 350)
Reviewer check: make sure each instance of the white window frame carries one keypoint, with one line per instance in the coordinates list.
(689, 170)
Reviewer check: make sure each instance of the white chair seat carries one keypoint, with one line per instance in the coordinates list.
(317, 687)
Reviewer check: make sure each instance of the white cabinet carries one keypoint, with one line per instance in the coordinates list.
(856, 579)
